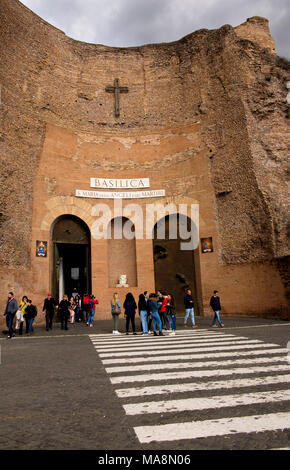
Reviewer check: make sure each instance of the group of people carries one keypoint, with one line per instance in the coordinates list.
(16, 315)
(158, 309)
(154, 309)
(157, 312)
(75, 309)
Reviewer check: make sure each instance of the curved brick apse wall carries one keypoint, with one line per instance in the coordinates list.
(205, 117)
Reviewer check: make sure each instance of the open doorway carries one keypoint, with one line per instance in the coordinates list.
(71, 257)
(176, 270)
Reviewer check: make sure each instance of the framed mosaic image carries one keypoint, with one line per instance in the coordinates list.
(41, 249)
(206, 245)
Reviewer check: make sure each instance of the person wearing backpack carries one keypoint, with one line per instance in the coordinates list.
(154, 309)
(115, 311)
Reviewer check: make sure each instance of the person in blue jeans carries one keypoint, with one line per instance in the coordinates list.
(143, 307)
(189, 308)
(10, 312)
(30, 314)
(216, 306)
(154, 307)
(171, 314)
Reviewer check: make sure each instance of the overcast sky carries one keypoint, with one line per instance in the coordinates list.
(136, 22)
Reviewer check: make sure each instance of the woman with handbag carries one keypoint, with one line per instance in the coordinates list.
(20, 315)
(115, 310)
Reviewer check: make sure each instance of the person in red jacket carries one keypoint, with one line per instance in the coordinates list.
(92, 306)
(163, 312)
(85, 307)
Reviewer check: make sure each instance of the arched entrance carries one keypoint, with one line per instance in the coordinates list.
(71, 256)
(175, 269)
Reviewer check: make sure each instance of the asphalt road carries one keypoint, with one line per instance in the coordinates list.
(58, 394)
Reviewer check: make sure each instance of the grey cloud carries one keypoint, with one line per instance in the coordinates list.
(135, 22)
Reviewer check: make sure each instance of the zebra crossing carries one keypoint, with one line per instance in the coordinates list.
(201, 383)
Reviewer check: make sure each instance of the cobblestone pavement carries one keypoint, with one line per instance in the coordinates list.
(228, 388)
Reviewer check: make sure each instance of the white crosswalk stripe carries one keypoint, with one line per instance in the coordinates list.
(153, 346)
(194, 356)
(189, 404)
(234, 346)
(197, 386)
(187, 365)
(231, 372)
(216, 427)
(197, 374)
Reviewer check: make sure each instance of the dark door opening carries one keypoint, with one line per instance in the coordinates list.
(174, 269)
(71, 266)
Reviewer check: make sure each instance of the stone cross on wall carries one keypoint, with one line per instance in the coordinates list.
(117, 89)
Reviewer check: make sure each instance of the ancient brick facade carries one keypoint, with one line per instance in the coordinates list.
(206, 119)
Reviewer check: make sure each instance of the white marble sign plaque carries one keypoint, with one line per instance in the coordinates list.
(105, 183)
(120, 195)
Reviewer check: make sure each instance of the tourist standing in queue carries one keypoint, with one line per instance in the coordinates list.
(49, 306)
(215, 304)
(115, 311)
(143, 307)
(163, 312)
(20, 315)
(64, 312)
(159, 302)
(75, 293)
(92, 307)
(85, 307)
(154, 308)
(130, 312)
(10, 312)
(78, 308)
(189, 308)
(171, 314)
(30, 314)
(71, 309)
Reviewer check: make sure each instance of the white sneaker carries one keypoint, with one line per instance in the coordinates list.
(117, 332)
(114, 332)
(172, 334)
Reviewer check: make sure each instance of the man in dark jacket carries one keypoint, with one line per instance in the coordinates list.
(216, 306)
(48, 309)
(10, 311)
(189, 308)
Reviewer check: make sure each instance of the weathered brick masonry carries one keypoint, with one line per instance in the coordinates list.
(205, 118)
